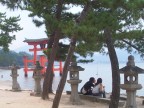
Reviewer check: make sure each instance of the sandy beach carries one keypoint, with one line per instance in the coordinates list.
(22, 99)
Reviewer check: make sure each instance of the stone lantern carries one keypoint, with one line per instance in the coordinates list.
(74, 81)
(131, 81)
(14, 75)
(37, 77)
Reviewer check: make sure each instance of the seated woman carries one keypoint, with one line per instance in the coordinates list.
(87, 88)
(98, 89)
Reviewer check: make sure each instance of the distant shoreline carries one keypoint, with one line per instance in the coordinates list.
(5, 68)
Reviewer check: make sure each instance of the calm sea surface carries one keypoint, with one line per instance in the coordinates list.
(96, 70)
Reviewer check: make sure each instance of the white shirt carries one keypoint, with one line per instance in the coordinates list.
(96, 89)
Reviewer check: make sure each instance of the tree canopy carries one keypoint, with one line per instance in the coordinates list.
(7, 28)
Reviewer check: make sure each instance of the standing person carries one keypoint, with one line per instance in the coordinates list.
(87, 88)
(99, 89)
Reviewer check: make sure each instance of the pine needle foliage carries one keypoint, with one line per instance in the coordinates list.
(7, 28)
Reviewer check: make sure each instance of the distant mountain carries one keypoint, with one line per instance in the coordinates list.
(121, 54)
(8, 58)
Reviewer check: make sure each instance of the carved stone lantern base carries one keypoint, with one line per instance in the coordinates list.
(131, 87)
(74, 98)
(16, 87)
(35, 94)
(15, 84)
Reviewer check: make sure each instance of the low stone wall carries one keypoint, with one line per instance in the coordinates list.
(98, 99)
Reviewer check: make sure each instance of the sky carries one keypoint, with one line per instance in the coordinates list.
(30, 31)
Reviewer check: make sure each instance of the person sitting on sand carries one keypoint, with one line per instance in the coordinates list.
(99, 89)
(87, 88)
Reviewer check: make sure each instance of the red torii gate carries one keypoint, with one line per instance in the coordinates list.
(42, 59)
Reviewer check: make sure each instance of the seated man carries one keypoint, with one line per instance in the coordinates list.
(98, 89)
(87, 88)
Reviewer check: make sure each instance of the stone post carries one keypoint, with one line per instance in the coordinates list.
(37, 77)
(14, 75)
(143, 102)
(74, 81)
(131, 81)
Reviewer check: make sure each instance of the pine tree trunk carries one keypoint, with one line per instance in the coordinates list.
(115, 67)
(61, 85)
(47, 80)
(64, 75)
(48, 76)
(50, 43)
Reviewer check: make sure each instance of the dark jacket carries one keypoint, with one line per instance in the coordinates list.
(88, 88)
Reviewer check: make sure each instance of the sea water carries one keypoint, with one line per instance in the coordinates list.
(103, 70)
(97, 70)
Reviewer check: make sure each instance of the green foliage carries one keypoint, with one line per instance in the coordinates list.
(37, 22)
(47, 51)
(85, 61)
(8, 58)
(7, 27)
(61, 52)
(122, 17)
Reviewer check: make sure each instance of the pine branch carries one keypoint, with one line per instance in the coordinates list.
(85, 11)
(130, 44)
(59, 9)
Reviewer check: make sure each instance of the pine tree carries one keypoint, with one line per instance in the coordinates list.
(7, 28)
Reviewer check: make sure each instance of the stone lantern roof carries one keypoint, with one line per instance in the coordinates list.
(75, 68)
(131, 67)
(134, 69)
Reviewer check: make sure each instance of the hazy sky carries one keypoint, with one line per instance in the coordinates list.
(30, 31)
